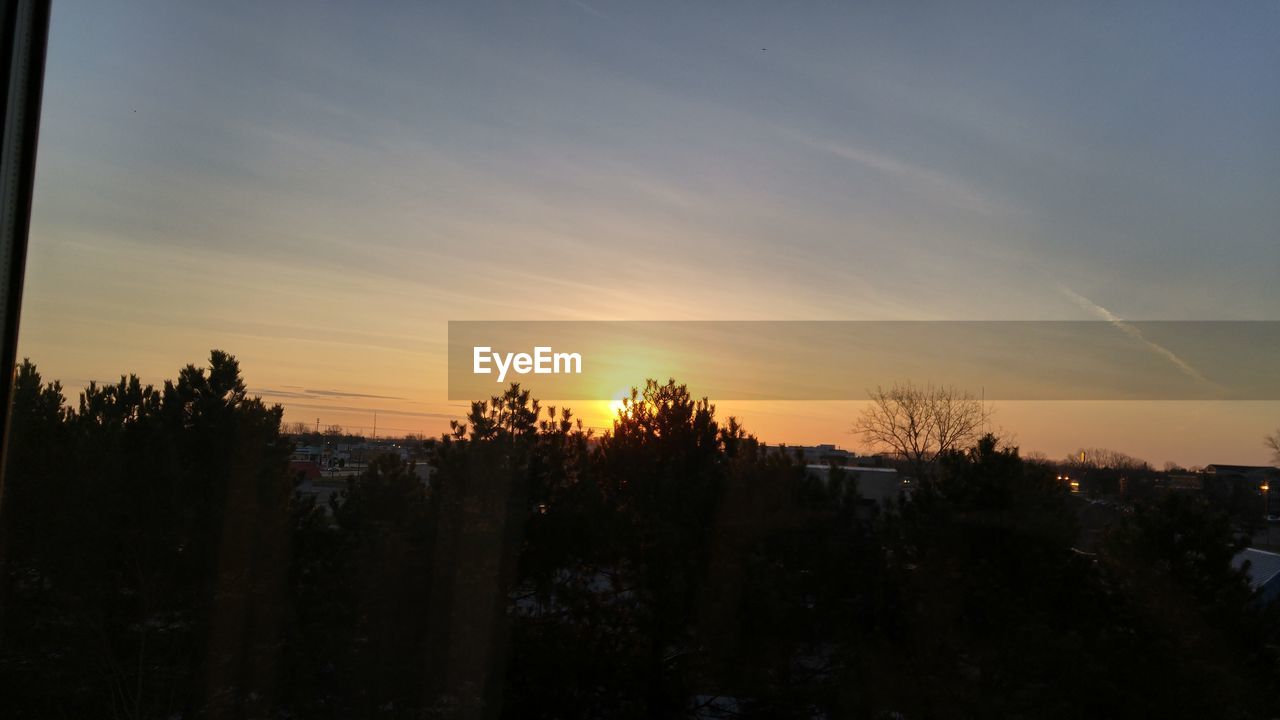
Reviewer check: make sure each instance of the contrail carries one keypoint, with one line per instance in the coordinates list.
(1134, 333)
(587, 8)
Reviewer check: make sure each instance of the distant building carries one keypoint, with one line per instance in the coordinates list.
(1263, 572)
(322, 489)
(1256, 478)
(876, 486)
(1253, 473)
(824, 454)
(307, 453)
(1184, 482)
(303, 471)
(423, 472)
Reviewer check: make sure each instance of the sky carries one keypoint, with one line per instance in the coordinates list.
(319, 188)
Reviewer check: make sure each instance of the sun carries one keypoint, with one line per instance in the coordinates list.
(618, 404)
(603, 412)
(615, 407)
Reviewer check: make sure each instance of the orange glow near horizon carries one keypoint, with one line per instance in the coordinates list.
(1187, 433)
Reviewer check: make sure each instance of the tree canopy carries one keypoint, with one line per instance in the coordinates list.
(160, 562)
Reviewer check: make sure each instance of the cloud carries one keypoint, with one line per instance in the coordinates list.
(588, 9)
(363, 411)
(1134, 333)
(307, 393)
(933, 182)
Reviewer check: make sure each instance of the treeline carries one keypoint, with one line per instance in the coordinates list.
(157, 563)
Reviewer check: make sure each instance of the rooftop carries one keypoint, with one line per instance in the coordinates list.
(1263, 566)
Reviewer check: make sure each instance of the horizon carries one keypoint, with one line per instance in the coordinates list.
(602, 412)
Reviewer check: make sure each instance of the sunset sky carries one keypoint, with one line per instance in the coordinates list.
(318, 189)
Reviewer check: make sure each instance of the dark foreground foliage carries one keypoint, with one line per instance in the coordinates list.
(157, 563)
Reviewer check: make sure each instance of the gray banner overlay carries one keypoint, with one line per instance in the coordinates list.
(843, 360)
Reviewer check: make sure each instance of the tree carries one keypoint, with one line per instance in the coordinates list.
(361, 579)
(1105, 459)
(1273, 442)
(991, 591)
(145, 535)
(1169, 568)
(155, 567)
(921, 423)
(489, 471)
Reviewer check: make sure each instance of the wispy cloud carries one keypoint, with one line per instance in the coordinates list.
(928, 180)
(587, 8)
(1134, 333)
(318, 394)
(369, 412)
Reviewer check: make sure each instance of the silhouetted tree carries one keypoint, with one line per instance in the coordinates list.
(146, 533)
(158, 564)
(920, 423)
(1169, 565)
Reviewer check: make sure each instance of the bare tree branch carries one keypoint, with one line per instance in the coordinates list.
(919, 423)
